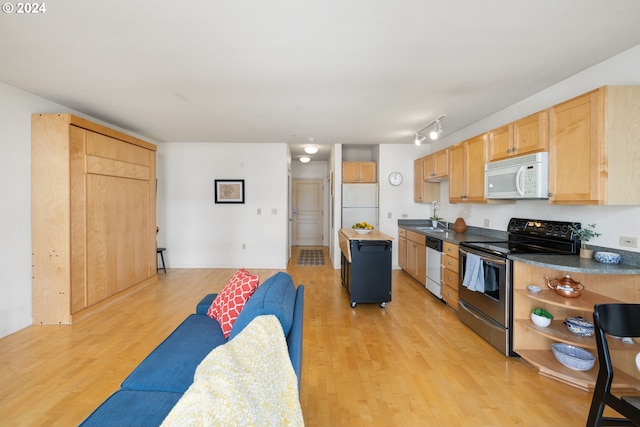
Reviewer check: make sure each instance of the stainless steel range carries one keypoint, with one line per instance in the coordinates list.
(485, 288)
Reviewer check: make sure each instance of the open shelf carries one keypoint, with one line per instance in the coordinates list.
(558, 331)
(545, 362)
(584, 302)
(533, 343)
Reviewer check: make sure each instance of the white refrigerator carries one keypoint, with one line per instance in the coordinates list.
(359, 203)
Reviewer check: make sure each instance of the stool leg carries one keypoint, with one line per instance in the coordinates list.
(162, 258)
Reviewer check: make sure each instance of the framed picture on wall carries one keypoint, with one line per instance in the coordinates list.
(229, 191)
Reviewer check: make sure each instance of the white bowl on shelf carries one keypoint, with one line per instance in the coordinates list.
(533, 288)
(541, 321)
(573, 357)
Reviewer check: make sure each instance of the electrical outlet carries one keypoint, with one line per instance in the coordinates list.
(405, 216)
(389, 215)
(631, 242)
(244, 246)
(259, 211)
(487, 223)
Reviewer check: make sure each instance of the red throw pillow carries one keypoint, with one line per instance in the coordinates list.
(226, 307)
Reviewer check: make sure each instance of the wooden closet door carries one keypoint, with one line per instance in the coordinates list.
(117, 241)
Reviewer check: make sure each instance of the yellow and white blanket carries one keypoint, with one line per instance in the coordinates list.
(248, 381)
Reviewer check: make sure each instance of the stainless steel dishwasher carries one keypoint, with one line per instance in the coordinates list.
(434, 266)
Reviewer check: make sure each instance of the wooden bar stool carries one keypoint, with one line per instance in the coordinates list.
(160, 251)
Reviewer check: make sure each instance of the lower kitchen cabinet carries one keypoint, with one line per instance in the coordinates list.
(416, 259)
(450, 274)
(402, 248)
(533, 343)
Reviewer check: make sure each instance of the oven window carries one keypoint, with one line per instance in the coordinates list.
(493, 275)
(491, 280)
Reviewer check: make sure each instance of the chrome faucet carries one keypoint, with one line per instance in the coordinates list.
(444, 224)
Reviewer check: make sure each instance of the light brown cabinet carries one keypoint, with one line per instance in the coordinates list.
(466, 170)
(416, 256)
(93, 216)
(436, 166)
(359, 172)
(423, 192)
(595, 148)
(533, 343)
(450, 274)
(402, 248)
(524, 136)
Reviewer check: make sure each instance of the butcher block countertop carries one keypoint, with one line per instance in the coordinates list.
(346, 234)
(350, 234)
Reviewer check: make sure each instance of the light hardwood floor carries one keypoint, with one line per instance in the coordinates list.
(410, 364)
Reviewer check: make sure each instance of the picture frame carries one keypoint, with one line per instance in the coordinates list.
(229, 190)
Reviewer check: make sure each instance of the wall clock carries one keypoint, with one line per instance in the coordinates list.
(395, 178)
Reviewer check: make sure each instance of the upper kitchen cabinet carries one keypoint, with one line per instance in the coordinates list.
(93, 216)
(524, 136)
(436, 166)
(359, 172)
(595, 148)
(466, 170)
(423, 192)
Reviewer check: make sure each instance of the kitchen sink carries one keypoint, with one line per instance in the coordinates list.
(431, 229)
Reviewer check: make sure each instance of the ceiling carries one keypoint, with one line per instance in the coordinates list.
(338, 71)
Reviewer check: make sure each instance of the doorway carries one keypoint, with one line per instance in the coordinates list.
(307, 212)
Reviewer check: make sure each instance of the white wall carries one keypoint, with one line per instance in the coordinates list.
(199, 233)
(16, 108)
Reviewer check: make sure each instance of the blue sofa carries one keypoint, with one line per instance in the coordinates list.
(149, 393)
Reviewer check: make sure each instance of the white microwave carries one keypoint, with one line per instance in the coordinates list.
(523, 177)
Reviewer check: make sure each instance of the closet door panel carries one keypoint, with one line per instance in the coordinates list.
(117, 240)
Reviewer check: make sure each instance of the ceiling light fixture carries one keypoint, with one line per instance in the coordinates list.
(435, 132)
(305, 159)
(311, 149)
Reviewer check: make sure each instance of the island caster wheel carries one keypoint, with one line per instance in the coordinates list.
(383, 304)
(353, 304)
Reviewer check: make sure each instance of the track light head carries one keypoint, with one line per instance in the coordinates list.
(433, 134)
(437, 130)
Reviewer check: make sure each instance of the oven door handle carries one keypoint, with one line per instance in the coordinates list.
(487, 259)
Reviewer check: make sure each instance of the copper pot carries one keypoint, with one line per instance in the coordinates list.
(565, 286)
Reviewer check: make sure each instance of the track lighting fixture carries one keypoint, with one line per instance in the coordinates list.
(435, 132)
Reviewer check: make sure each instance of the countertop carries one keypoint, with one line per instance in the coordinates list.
(573, 263)
(350, 234)
(347, 234)
(570, 263)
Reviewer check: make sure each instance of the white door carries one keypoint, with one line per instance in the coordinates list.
(307, 212)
